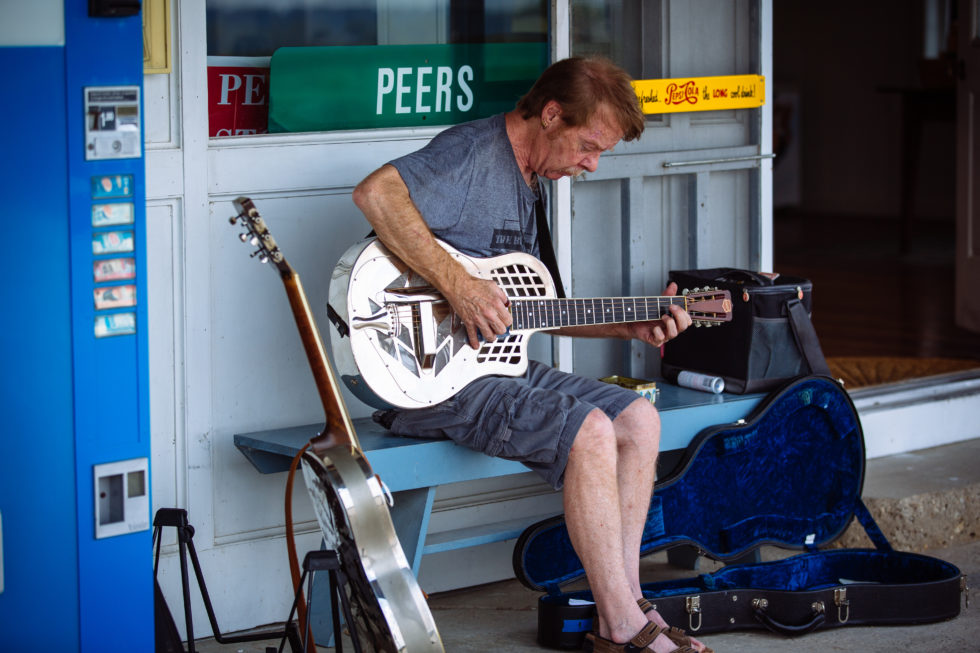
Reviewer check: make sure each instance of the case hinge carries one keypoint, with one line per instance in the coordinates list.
(965, 588)
(693, 606)
(843, 605)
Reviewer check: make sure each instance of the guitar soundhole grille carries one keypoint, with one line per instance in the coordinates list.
(506, 350)
(519, 280)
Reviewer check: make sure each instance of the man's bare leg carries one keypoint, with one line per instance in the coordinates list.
(596, 528)
(638, 439)
(614, 464)
(638, 442)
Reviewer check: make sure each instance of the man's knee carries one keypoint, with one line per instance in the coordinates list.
(639, 425)
(596, 435)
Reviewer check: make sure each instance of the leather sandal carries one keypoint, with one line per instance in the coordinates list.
(674, 634)
(597, 644)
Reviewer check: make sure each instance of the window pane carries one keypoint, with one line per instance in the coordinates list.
(250, 28)
(619, 30)
(243, 34)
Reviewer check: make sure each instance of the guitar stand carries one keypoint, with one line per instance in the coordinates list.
(320, 561)
(177, 518)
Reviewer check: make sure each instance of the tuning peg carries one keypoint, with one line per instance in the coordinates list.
(685, 292)
(263, 259)
(233, 219)
(243, 236)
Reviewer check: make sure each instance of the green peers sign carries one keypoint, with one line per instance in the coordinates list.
(417, 82)
(365, 87)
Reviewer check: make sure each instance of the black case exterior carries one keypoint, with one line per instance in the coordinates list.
(791, 475)
(761, 347)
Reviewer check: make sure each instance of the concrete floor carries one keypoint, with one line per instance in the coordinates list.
(926, 501)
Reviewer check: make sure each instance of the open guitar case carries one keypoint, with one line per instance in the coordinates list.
(789, 475)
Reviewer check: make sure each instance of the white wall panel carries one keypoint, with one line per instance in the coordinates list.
(705, 37)
(727, 243)
(261, 376)
(304, 161)
(158, 126)
(165, 311)
(597, 265)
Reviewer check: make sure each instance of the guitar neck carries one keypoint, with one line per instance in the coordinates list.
(541, 314)
(339, 430)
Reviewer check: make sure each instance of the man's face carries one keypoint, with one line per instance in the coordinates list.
(570, 151)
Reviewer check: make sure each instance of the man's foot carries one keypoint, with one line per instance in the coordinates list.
(676, 635)
(635, 633)
(650, 637)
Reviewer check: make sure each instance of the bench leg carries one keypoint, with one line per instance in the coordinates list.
(410, 516)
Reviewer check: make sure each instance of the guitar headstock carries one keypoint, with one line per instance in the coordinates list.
(708, 306)
(257, 235)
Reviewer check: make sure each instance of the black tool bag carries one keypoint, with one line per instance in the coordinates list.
(791, 475)
(769, 339)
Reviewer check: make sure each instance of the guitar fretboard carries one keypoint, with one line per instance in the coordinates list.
(558, 313)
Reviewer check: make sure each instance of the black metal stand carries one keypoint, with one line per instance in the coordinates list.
(327, 560)
(177, 518)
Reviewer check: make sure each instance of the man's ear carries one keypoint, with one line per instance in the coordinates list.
(550, 113)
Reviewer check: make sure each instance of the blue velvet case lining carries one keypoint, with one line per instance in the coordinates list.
(791, 475)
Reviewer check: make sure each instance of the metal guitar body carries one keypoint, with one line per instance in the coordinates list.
(389, 611)
(405, 338)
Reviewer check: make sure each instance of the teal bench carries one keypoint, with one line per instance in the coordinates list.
(413, 468)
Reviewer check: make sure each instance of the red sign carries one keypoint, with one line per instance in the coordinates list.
(238, 100)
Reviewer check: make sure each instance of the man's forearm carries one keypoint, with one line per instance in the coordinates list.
(385, 201)
(595, 331)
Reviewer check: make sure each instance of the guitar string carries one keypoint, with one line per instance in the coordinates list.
(548, 313)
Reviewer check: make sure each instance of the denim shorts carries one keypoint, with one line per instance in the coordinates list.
(532, 418)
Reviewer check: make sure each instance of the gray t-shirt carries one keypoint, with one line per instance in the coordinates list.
(468, 187)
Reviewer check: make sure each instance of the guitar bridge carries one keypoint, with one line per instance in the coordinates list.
(425, 341)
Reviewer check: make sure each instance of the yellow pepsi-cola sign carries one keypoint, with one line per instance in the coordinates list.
(701, 93)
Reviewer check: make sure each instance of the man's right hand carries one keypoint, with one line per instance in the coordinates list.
(482, 306)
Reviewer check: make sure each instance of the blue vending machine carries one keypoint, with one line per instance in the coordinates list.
(75, 553)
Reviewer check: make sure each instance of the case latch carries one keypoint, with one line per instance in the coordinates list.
(843, 605)
(693, 605)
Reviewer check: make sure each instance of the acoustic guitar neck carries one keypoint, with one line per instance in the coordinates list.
(338, 430)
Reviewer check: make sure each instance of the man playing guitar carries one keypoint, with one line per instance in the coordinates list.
(476, 187)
